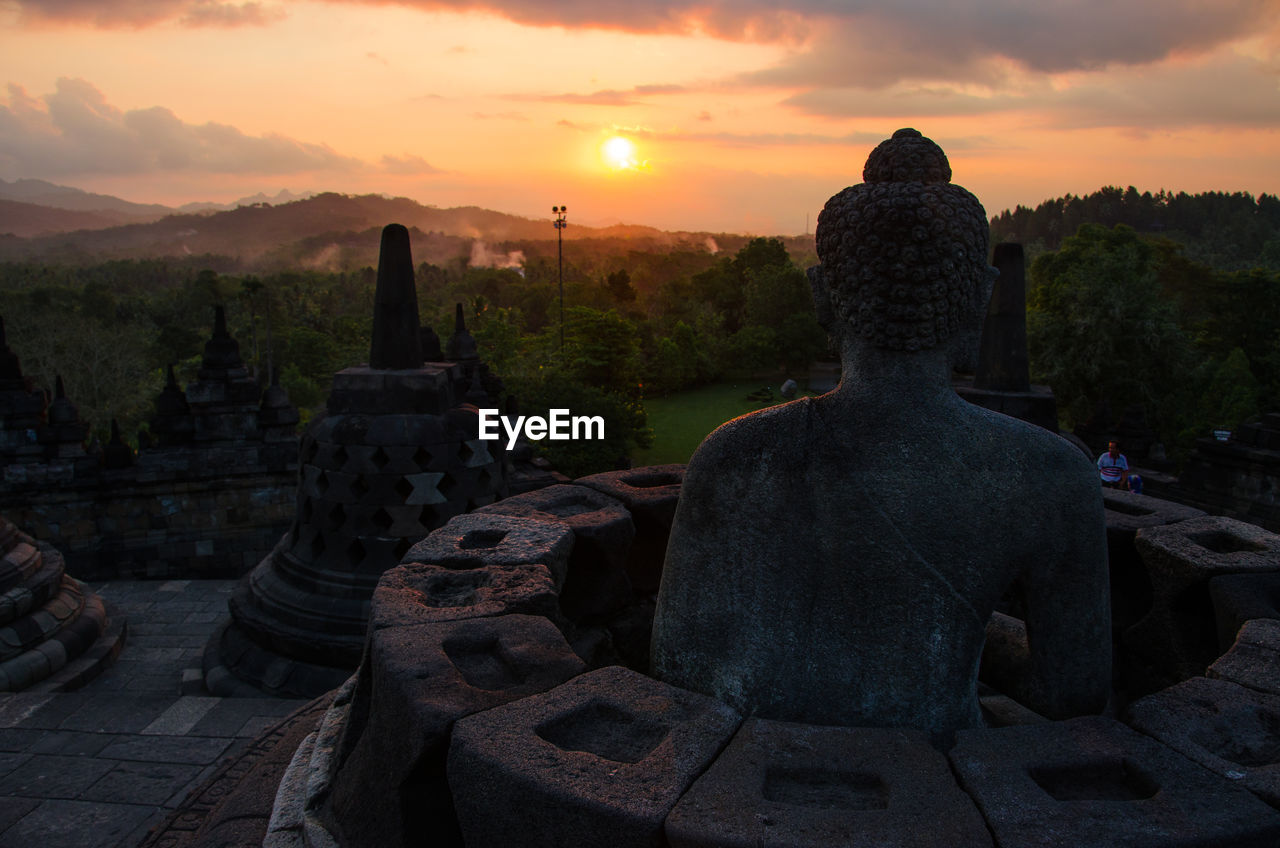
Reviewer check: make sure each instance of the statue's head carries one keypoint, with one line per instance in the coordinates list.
(903, 255)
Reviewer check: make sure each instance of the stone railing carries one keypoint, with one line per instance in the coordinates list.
(198, 512)
(501, 702)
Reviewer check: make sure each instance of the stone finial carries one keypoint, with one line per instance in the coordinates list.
(903, 255)
(462, 346)
(116, 453)
(395, 308)
(61, 411)
(220, 322)
(1002, 359)
(431, 350)
(10, 368)
(222, 351)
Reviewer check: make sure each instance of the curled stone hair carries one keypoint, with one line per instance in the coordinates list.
(904, 254)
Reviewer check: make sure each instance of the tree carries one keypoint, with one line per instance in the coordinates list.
(1099, 330)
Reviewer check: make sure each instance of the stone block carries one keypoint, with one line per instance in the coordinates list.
(600, 760)
(1254, 659)
(1228, 729)
(1178, 637)
(651, 494)
(497, 539)
(1094, 783)
(597, 583)
(1238, 598)
(1126, 514)
(808, 786)
(422, 593)
(415, 682)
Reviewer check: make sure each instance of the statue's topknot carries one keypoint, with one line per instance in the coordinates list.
(904, 254)
(907, 157)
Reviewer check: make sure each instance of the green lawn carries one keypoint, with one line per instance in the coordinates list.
(681, 421)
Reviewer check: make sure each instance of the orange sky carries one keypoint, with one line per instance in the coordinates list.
(744, 115)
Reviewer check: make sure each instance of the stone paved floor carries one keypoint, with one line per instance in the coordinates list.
(102, 765)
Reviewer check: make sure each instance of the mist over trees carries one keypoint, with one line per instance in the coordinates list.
(1167, 301)
(636, 323)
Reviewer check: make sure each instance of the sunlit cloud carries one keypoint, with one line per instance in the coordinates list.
(408, 164)
(75, 130)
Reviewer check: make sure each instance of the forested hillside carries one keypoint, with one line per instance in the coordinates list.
(1228, 232)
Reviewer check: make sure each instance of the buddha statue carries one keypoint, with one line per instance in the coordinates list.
(836, 560)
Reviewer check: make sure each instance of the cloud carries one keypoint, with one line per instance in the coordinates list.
(596, 98)
(213, 14)
(141, 13)
(1225, 90)
(408, 164)
(729, 139)
(847, 42)
(605, 97)
(75, 130)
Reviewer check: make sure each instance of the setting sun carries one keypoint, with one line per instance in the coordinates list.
(620, 153)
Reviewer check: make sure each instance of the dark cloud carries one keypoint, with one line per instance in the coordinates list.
(138, 13)
(1227, 91)
(76, 131)
(847, 42)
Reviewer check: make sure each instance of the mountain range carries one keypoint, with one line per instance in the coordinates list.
(44, 222)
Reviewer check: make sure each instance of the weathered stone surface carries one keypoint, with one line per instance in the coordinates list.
(603, 530)
(804, 785)
(1126, 514)
(422, 593)
(1238, 477)
(1094, 783)
(1254, 659)
(835, 560)
(650, 494)
(1238, 598)
(497, 539)
(1178, 637)
(600, 760)
(48, 620)
(416, 681)
(1228, 729)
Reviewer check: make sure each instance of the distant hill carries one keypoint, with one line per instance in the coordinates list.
(326, 230)
(54, 196)
(31, 219)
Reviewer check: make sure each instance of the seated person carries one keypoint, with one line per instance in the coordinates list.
(1113, 467)
(835, 560)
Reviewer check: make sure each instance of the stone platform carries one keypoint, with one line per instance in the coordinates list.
(104, 765)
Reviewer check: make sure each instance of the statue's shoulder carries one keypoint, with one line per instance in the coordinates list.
(757, 437)
(1041, 455)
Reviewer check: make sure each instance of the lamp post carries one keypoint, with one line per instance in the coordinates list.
(560, 224)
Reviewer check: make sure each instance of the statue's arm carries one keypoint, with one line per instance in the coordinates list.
(1069, 611)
